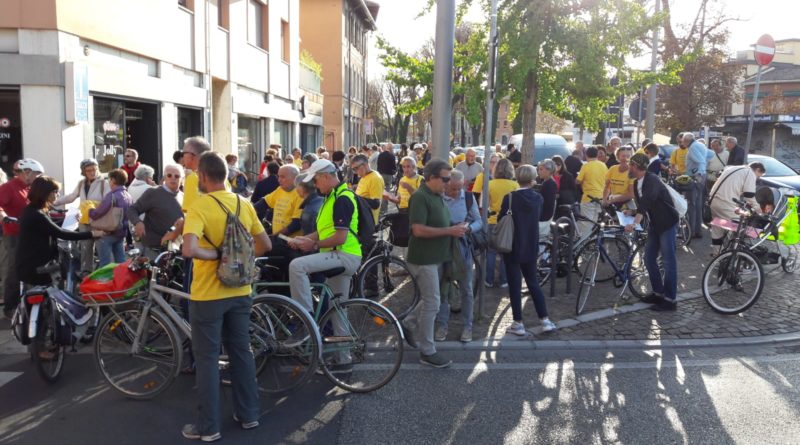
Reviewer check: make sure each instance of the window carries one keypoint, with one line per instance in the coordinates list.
(188, 4)
(258, 24)
(285, 39)
(223, 14)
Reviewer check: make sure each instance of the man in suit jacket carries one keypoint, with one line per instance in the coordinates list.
(654, 200)
(736, 156)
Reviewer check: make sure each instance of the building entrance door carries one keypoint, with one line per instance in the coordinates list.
(122, 124)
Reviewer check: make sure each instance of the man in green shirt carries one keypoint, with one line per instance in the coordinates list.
(428, 249)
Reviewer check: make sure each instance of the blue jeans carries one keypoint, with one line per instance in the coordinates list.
(695, 198)
(227, 322)
(516, 271)
(111, 250)
(465, 290)
(663, 244)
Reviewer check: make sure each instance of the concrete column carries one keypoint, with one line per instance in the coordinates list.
(225, 124)
(169, 133)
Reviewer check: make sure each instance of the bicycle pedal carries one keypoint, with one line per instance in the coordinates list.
(336, 339)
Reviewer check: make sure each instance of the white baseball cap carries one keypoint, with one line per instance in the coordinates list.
(31, 164)
(319, 166)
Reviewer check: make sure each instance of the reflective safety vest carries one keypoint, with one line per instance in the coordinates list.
(325, 227)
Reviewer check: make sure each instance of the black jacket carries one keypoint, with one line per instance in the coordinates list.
(567, 189)
(264, 187)
(736, 156)
(386, 163)
(655, 202)
(573, 165)
(526, 206)
(37, 244)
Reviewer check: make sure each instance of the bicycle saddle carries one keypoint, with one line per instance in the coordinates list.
(332, 272)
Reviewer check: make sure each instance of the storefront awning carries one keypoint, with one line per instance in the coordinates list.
(795, 128)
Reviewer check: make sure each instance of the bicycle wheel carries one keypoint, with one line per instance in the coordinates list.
(618, 251)
(285, 343)
(45, 351)
(366, 348)
(544, 262)
(684, 236)
(638, 277)
(733, 281)
(389, 279)
(588, 280)
(146, 372)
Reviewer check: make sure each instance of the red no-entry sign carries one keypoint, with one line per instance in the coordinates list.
(765, 50)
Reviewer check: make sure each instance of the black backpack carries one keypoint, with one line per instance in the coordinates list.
(366, 222)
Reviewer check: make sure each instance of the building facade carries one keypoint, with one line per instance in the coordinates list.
(335, 33)
(88, 78)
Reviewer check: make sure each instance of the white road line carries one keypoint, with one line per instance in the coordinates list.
(6, 377)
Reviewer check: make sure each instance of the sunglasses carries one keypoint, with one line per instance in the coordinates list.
(444, 179)
(171, 175)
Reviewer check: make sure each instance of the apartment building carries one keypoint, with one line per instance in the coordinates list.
(335, 32)
(87, 78)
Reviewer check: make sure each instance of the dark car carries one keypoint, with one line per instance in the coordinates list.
(778, 174)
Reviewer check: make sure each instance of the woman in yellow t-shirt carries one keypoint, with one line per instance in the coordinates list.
(408, 184)
(501, 184)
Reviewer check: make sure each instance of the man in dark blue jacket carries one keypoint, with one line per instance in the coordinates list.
(654, 200)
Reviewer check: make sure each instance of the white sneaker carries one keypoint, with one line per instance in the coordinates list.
(440, 334)
(548, 326)
(516, 328)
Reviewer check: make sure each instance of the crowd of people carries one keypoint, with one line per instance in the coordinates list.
(307, 208)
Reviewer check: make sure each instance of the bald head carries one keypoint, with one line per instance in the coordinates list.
(287, 175)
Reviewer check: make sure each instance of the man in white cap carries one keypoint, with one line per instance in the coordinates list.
(13, 199)
(335, 238)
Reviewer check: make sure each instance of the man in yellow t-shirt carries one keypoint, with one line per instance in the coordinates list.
(677, 160)
(285, 203)
(217, 311)
(619, 185)
(193, 148)
(370, 184)
(592, 179)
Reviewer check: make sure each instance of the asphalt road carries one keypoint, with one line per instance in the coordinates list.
(716, 396)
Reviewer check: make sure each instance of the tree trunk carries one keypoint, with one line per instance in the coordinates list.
(402, 133)
(529, 117)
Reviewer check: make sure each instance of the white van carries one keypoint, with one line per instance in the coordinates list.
(547, 146)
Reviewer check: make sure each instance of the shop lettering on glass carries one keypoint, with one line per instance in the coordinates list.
(5, 123)
(110, 139)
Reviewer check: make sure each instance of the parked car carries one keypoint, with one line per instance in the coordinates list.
(546, 146)
(778, 174)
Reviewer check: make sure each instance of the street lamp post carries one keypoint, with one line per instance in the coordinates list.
(443, 76)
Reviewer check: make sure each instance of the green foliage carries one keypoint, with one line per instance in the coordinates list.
(308, 60)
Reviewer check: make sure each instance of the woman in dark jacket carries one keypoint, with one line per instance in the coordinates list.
(567, 189)
(39, 234)
(526, 205)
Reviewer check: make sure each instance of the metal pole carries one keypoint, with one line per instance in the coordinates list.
(488, 149)
(651, 98)
(443, 76)
(753, 106)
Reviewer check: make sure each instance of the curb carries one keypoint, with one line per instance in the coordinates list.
(562, 345)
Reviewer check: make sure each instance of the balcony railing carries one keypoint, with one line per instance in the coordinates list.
(309, 80)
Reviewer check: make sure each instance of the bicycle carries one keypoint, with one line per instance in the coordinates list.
(630, 275)
(386, 278)
(139, 353)
(734, 279)
(353, 332)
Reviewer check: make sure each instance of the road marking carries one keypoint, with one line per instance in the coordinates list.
(6, 377)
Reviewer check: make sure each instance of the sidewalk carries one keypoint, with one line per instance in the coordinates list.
(608, 318)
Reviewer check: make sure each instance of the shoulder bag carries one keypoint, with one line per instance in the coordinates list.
(112, 220)
(502, 238)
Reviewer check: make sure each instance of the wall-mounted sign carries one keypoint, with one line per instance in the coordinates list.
(76, 92)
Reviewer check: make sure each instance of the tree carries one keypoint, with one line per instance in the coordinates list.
(708, 84)
(549, 123)
(558, 55)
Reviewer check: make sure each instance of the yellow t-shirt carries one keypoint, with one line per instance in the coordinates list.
(298, 162)
(478, 186)
(460, 158)
(498, 189)
(405, 194)
(592, 178)
(206, 217)
(191, 189)
(619, 182)
(641, 150)
(286, 207)
(678, 159)
(371, 187)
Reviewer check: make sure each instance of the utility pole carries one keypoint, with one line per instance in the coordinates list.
(488, 148)
(651, 97)
(443, 76)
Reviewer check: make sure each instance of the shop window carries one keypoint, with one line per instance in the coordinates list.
(258, 24)
(249, 143)
(10, 130)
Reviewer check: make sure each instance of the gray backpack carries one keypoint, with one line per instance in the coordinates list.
(237, 259)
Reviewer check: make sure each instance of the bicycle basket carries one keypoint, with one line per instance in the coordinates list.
(113, 282)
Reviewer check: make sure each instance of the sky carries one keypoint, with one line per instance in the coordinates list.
(396, 22)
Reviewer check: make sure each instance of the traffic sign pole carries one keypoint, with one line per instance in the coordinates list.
(764, 52)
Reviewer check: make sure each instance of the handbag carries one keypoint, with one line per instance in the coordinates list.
(479, 239)
(112, 220)
(502, 239)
